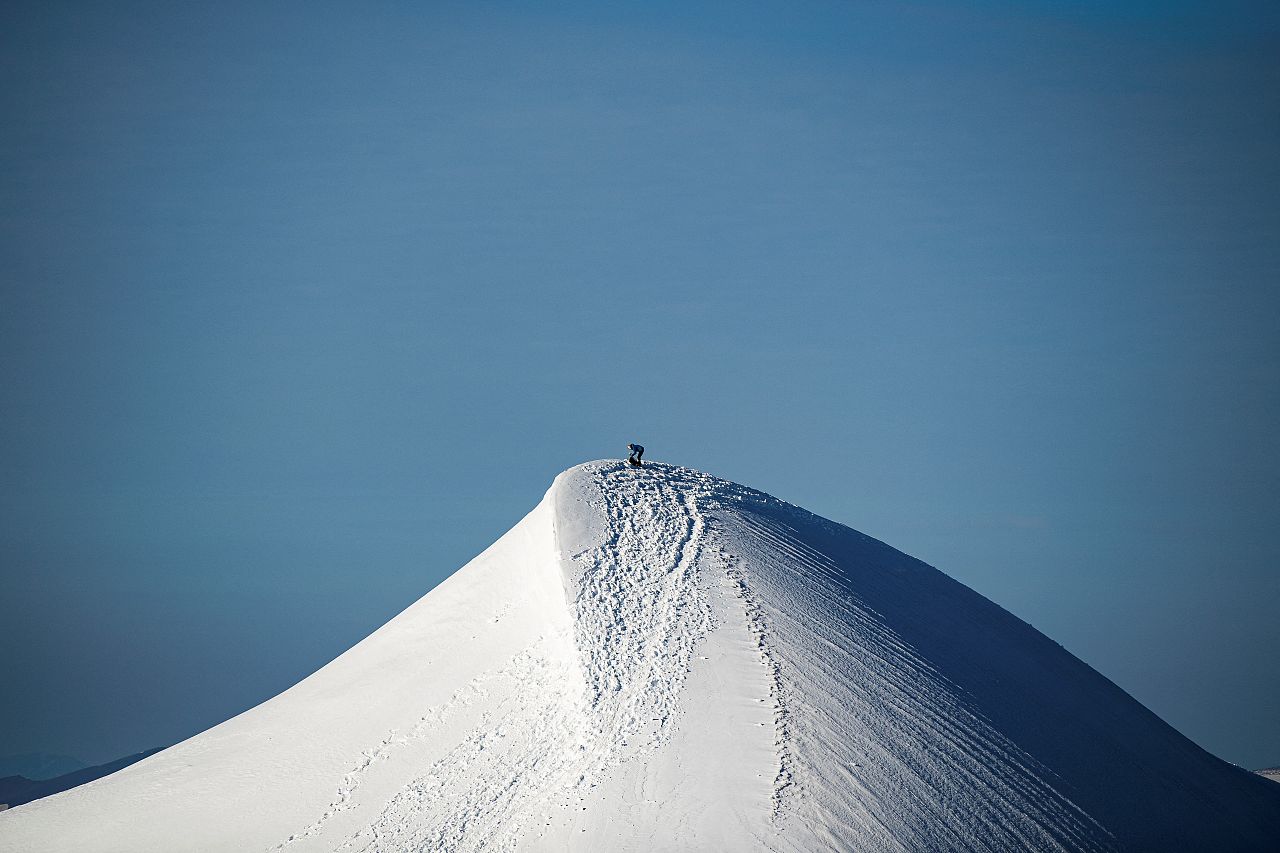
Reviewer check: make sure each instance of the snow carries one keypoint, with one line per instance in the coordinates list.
(657, 659)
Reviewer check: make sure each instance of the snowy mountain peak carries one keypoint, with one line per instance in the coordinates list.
(655, 658)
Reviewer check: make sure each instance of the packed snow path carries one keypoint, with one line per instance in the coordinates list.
(656, 659)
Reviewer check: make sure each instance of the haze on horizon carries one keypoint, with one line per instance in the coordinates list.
(302, 306)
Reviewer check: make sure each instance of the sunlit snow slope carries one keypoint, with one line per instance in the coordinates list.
(657, 659)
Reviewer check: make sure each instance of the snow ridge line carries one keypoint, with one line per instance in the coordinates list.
(637, 504)
(758, 626)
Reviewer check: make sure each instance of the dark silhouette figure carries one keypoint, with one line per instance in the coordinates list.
(636, 452)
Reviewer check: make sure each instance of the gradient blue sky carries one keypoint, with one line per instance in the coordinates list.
(303, 304)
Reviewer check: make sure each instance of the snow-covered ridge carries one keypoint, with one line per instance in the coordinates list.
(657, 659)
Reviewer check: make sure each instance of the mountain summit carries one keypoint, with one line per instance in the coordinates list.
(657, 659)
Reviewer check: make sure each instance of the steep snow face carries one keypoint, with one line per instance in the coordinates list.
(656, 659)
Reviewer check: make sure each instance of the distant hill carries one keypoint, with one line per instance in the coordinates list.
(1272, 773)
(38, 765)
(16, 790)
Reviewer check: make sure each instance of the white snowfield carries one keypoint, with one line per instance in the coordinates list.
(655, 659)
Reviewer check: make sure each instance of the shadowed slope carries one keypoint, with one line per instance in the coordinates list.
(966, 716)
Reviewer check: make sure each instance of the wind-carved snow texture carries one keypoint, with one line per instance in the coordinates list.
(865, 697)
(656, 659)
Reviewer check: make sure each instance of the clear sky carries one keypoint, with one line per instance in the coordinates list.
(304, 304)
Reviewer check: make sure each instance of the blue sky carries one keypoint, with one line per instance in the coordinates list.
(303, 305)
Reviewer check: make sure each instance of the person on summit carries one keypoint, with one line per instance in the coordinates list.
(636, 452)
